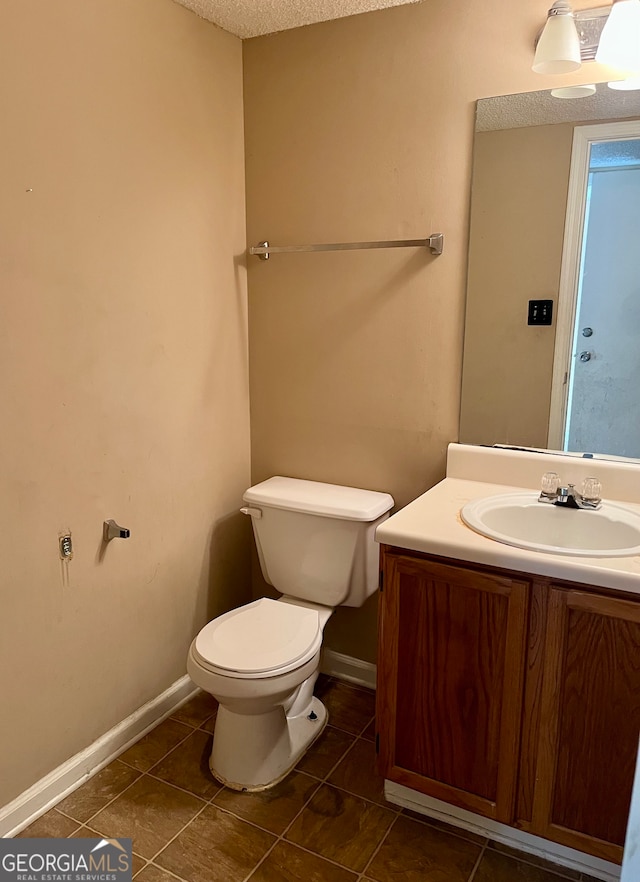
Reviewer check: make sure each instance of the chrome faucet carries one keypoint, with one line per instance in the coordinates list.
(568, 497)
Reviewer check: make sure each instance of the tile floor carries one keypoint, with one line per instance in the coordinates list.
(327, 822)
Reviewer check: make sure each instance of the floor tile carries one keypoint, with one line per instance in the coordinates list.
(357, 773)
(496, 867)
(151, 873)
(150, 812)
(155, 745)
(215, 847)
(197, 710)
(350, 708)
(271, 809)
(288, 863)
(341, 827)
(323, 755)
(210, 724)
(448, 828)
(414, 852)
(187, 766)
(138, 862)
(51, 824)
(535, 860)
(88, 799)
(370, 731)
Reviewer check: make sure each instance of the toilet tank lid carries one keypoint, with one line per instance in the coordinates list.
(314, 497)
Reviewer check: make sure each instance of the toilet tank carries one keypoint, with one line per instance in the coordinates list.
(316, 541)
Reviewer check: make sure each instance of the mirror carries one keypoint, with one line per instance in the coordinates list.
(520, 191)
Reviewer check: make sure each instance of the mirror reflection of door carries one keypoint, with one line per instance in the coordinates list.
(599, 330)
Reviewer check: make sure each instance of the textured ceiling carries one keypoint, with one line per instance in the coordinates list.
(540, 108)
(251, 18)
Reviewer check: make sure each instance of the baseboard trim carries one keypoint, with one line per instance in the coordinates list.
(345, 667)
(551, 851)
(44, 794)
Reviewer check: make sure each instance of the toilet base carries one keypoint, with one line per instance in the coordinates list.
(252, 753)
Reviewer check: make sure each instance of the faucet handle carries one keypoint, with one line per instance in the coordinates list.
(591, 489)
(550, 484)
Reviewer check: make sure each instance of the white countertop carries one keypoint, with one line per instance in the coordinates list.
(432, 524)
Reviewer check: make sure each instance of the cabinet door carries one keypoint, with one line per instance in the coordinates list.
(450, 671)
(591, 719)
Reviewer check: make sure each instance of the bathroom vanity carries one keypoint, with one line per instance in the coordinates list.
(509, 679)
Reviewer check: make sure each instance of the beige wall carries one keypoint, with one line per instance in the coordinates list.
(362, 129)
(123, 360)
(520, 184)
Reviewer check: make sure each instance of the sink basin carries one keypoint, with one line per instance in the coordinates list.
(519, 519)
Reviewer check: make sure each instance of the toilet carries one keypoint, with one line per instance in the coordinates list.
(316, 546)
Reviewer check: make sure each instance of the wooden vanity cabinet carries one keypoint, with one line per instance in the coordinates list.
(450, 682)
(510, 696)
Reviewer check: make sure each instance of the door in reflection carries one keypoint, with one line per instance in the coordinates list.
(603, 398)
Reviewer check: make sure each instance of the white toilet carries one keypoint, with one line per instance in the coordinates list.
(316, 545)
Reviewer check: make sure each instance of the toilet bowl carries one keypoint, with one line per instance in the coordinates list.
(261, 661)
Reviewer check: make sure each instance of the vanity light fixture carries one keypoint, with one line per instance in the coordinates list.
(607, 34)
(558, 49)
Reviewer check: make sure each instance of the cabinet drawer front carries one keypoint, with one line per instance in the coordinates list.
(457, 681)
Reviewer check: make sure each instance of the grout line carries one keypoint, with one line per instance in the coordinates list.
(226, 811)
(348, 750)
(201, 728)
(143, 867)
(387, 805)
(477, 863)
(379, 846)
(524, 857)
(281, 838)
(346, 731)
(113, 799)
(364, 728)
(162, 869)
(206, 799)
(451, 830)
(306, 850)
(171, 749)
(128, 787)
(181, 830)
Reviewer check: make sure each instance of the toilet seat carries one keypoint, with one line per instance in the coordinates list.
(261, 639)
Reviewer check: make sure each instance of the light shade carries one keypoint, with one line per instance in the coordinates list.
(620, 40)
(574, 91)
(558, 49)
(628, 85)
